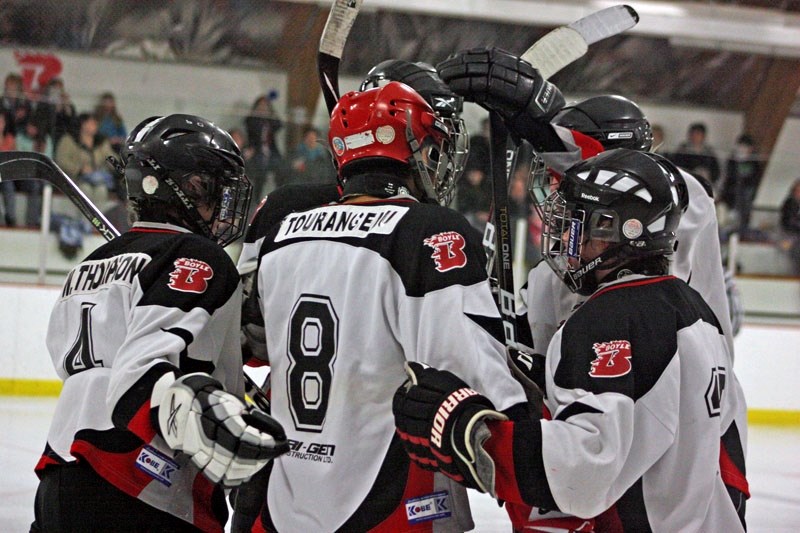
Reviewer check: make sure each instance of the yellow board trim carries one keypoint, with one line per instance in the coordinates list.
(29, 387)
(47, 387)
(773, 417)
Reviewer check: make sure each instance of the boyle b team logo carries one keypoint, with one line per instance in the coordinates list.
(613, 359)
(190, 275)
(448, 250)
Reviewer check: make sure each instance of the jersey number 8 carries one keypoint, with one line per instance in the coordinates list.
(313, 340)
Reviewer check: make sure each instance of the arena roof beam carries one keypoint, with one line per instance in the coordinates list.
(721, 27)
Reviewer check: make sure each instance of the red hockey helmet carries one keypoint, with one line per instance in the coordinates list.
(393, 122)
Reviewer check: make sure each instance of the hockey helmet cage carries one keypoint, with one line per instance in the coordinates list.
(423, 78)
(187, 161)
(393, 123)
(629, 198)
(615, 121)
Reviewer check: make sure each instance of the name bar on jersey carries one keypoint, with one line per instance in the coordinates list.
(91, 275)
(357, 221)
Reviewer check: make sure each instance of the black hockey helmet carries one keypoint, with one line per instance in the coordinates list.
(615, 121)
(188, 163)
(447, 105)
(628, 198)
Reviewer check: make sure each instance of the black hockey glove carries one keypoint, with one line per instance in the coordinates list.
(502, 82)
(441, 423)
(227, 440)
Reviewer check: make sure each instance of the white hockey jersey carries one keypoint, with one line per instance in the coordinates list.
(547, 302)
(348, 293)
(155, 300)
(638, 384)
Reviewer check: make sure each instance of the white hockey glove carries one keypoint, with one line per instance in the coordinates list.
(227, 440)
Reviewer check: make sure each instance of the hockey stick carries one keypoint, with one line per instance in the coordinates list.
(32, 165)
(566, 44)
(502, 239)
(556, 50)
(331, 45)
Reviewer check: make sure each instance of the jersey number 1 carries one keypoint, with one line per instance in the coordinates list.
(313, 340)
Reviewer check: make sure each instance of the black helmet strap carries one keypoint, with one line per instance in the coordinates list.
(191, 210)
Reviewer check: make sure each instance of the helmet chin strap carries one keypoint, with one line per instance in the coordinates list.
(195, 217)
(379, 185)
(609, 260)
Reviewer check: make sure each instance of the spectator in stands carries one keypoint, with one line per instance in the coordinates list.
(34, 138)
(251, 170)
(7, 143)
(696, 156)
(262, 125)
(83, 156)
(266, 167)
(14, 103)
(790, 224)
(62, 117)
(744, 170)
(311, 161)
(109, 122)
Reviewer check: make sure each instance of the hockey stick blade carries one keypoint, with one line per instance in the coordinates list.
(331, 45)
(566, 44)
(33, 165)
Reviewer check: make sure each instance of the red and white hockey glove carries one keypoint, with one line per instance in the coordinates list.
(225, 438)
(441, 422)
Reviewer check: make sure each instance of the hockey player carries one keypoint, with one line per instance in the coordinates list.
(617, 122)
(297, 197)
(350, 291)
(636, 378)
(150, 425)
(576, 132)
(487, 77)
(447, 106)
